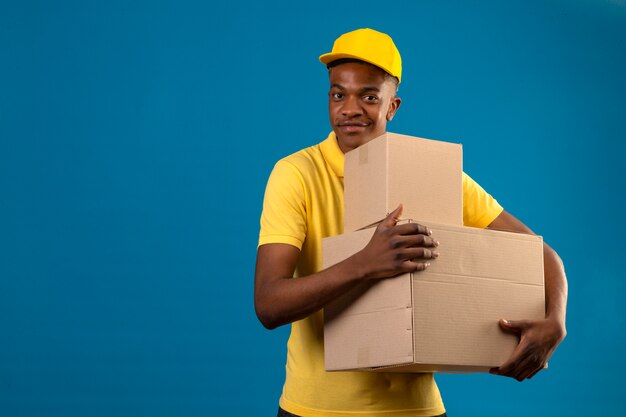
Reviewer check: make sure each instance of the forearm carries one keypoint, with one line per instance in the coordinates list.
(285, 299)
(554, 272)
(393, 249)
(555, 286)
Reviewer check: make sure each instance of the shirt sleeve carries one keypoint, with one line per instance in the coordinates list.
(479, 207)
(283, 219)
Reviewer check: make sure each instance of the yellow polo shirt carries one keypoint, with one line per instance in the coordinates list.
(303, 204)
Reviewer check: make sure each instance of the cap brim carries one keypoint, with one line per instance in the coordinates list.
(330, 57)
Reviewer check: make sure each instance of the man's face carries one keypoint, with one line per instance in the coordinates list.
(361, 101)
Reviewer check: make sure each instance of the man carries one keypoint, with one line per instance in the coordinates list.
(304, 203)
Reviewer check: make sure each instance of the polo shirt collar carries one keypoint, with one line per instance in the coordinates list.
(333, 154)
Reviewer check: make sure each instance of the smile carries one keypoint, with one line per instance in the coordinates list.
(352, 127)
(353, 123)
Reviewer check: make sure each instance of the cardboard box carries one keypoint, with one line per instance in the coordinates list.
(425, 175)
(441, 319)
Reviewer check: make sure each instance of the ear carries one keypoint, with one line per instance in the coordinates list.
(394, 105)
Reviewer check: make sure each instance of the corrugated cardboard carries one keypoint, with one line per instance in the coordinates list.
(425, 175)
(441, 319)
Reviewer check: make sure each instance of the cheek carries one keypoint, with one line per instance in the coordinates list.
(382, 114)
(389, 113)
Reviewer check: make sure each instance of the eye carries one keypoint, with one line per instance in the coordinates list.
(370, 99)
(336, 96)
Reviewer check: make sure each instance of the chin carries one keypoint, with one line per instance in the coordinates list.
(349, 142)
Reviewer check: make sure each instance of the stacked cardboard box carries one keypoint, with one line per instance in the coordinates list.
(444, 318)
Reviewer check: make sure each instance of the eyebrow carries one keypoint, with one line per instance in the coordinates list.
(362, 90)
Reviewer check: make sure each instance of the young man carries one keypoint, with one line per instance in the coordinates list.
(304, 203)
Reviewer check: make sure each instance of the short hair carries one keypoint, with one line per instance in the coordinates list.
(336, 62)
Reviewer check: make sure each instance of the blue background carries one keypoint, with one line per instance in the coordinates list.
(136, 139)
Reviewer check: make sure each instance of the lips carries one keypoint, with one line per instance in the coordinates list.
(353, 124)
(352, 128)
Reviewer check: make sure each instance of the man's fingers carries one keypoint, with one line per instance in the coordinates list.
(419, 253)
(507, 367)
(535, 372)
(413, 229)
(525, 369)
(522, 369)
(393, 217)
(528, 370)
(532, 352)
(514, 326)
(521, 364)
(421, 241)
(412, 266)
(413, 241)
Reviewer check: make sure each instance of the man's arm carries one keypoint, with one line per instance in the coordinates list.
(538, 338)
(280, 299)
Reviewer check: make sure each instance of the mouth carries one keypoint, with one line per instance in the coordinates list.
(352, 127)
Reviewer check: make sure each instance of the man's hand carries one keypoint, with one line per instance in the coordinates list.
(397, 249)
(537, 341)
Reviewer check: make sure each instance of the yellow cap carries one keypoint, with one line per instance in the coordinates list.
(367, 45)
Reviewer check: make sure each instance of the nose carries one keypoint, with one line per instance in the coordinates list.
(351, 107)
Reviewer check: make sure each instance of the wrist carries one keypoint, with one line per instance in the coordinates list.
(357, 267)
(558, 324)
